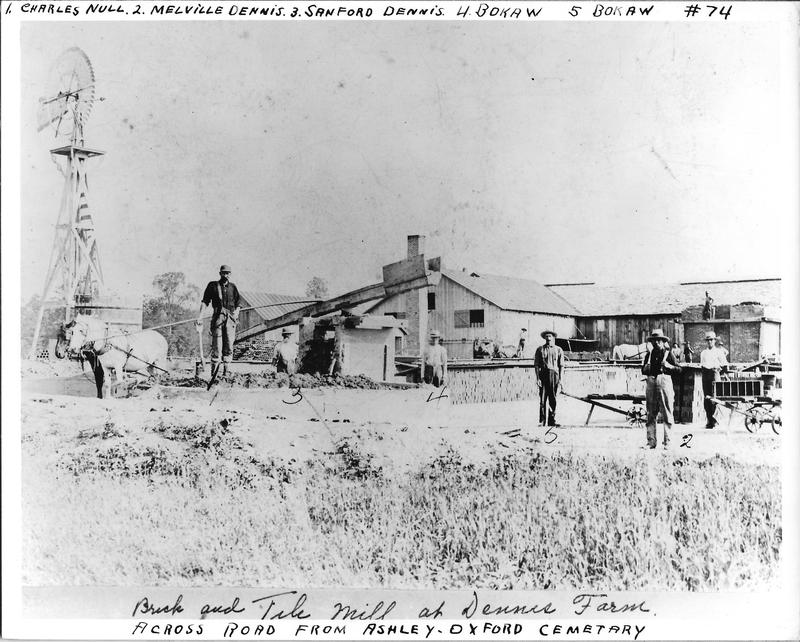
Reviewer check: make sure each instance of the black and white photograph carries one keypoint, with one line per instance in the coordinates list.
(338, 311)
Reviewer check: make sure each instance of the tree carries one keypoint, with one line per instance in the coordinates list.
(174, 303)
(317, 288)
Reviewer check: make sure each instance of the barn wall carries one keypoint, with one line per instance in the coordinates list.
(613, 331)
(499, 325)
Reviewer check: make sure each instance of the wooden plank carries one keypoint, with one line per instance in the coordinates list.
(405, 270)
(350, 299)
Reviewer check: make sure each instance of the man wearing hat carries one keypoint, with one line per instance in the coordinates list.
(659, 365)
(436, 357)
(224, 299)
(549, 365)
(712, 362)
(286, 354)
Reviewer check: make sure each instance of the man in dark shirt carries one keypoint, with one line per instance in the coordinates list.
(549, 365)
(659, 366)
(224, 299)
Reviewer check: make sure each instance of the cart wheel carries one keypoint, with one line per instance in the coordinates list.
(636, 416)
(753, 420)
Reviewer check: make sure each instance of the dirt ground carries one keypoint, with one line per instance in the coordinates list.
(398, 428)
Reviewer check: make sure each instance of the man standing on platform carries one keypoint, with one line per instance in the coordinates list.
(549, 365)
(712, 362)
(224, 299)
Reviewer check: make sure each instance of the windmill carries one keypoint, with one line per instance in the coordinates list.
(74, 277)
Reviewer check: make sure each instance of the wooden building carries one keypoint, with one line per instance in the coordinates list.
(465, 306)
(614, 315)
(350, 345)
(258, 307)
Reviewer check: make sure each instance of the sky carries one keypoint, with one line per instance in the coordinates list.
(561, 152)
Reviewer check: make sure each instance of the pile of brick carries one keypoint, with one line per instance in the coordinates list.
(255, 349)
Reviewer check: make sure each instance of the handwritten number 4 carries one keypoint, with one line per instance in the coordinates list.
(441, 395)
(297, 394)
(686, 439)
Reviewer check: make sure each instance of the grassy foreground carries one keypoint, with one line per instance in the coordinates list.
(204, 509)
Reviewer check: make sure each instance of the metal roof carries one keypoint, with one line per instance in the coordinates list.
(669, 298)
(274, 305)
(511, 293)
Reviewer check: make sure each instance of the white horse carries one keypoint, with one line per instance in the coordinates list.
(108, 349)
(629, 351)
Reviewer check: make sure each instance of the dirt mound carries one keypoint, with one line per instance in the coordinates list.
(270, 379)
(35, 369)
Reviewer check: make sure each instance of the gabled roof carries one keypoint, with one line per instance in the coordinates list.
(510, 293)
(669, 298)
(274, 305)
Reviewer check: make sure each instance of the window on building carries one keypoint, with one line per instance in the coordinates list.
(601, 325)
(468, 318)
(476, 318)
(431, 300)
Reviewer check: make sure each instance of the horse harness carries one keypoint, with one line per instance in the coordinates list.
(107, 346)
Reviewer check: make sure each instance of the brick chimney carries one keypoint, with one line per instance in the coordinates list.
(416, 305)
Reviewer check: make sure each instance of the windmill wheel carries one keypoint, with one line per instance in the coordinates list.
(70, 95)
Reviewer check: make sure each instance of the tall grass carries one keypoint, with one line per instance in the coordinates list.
(203, 509)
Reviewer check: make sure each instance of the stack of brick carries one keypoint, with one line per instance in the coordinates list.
(256, 349)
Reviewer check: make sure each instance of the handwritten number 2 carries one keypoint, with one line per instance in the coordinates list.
(297, 394)
(686, 439)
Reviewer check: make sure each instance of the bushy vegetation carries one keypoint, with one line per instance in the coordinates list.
(203, 508)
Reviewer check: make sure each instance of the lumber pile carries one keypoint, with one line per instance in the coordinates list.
(491, 384)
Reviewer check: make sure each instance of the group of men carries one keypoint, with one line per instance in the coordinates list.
(660, 364)
(548, 363)
(225, 301)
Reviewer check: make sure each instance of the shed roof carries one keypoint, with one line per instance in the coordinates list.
(668, 298)
(270, 306)
(511, 293)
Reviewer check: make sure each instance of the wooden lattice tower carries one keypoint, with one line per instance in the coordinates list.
(74, 277)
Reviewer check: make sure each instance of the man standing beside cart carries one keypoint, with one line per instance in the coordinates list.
(712, 363)
(549, 365)
(659, 366)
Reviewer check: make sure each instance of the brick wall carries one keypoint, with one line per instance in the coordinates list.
(416, 305)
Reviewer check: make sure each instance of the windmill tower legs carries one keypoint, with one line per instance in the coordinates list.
(74, 276)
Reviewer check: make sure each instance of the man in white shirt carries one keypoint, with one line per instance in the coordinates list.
(712, 362)
(286, 354)
(436, 357)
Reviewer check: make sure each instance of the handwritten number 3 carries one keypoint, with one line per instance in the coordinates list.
(297, 394)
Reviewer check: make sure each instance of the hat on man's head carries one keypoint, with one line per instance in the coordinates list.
(286, 332)
(711, 335)
(224, 268)
(658, 335)
(544, 333)
(435, 334)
